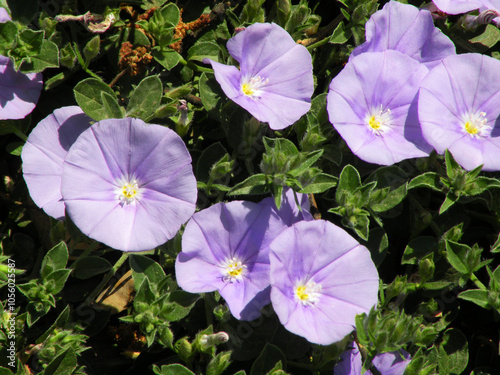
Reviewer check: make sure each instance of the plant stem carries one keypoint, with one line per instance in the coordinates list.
(195, 67)
(92, 296)
(478, 283)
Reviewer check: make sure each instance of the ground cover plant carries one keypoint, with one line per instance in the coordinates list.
(249, 187)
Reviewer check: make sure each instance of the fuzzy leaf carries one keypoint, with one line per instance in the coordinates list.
(146, 98)
(55, 259)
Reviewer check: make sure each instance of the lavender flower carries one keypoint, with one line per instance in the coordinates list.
(128, 184)
(289, 211)
(321, 278)
(460, 6)
(4, 15)
(407, 29)
(43, 156)
(372, 104)
(274, 82)
(392, 363)
(459, 109)
(226, 248)
(18, 92)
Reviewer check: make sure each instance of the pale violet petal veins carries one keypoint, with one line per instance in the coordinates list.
(43, 156)
(407, 29)
(458, 6)
(225, 248)
(289, 211)
(316, 287)
(459, 109)
(274, 82)
(372, 104)
(19, 92)
(128, 184)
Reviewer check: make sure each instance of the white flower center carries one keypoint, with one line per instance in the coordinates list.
(253, 87)
(379, 120)
(128, 191)
(233, 270)
(475, 124)
(307, 293)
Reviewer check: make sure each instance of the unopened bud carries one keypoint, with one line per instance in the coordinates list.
(214, 339)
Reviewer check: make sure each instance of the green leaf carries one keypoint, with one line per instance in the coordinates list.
(319, 184)
(283, 10)
(453, 352)
(496, 246)
(218, 364)
(210, 155)
(276, 145)
(340, 35)
(171, 14)
(361, 225)
(166, 57)
(5, 371)
(8, 36)
(47, 58)
(277, 194)
(14, 148)
(61, 321)
(304, 161)
(252, 12)
(456, 254)
(55, 259)
(488, 38)
(89, 98)
(144, 267)
(477, 296)
(211, 94)
(349, 181)
(146, 98)
(111, 107)
(452, 167)
(449, 201)
(390, 189)
(418, 248)
(64, 363)
(91, 266)
(267, 360)
(175, 369)
(481, 184)
(253, 185)
(429, 180)
(182, 303)
(55, 281)
(202, 50)
(91, 49)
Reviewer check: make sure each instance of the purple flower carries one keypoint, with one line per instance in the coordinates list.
(392, 363)
(43, 156)
(128, 184)
(18, 92)
(4, 15)
(461, 6)
(407, 29)
(289, 212)
(459, 109)
(321, 278)
(372, 104)
(274, 82)
(226, 248)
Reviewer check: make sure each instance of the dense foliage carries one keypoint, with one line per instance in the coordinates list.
(77, 297)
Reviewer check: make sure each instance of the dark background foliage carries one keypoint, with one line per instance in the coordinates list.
(432, 228)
